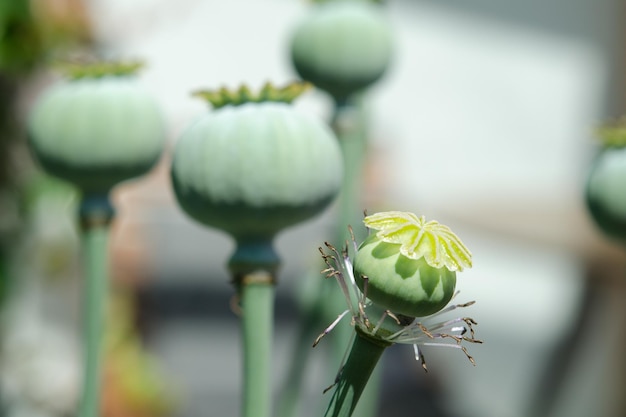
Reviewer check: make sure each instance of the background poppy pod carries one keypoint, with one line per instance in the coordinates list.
(96, 132)
(255, 168)
(342, 47)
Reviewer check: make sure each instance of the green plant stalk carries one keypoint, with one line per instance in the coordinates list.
(350, 126)
(348, 123)
(253, 266)
(257, 303)
(353, 378)
(95, 241)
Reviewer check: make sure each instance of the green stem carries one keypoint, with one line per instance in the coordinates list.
(257, 303)
(253, 267)
(348, 124)
(353, 378)
(95, 241)
(95, 214)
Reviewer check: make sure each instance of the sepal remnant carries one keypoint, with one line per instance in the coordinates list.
(613, 135)
(224, 97)
(76, 70)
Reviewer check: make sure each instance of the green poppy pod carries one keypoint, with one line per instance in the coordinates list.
(253, 168)
(403, 285)
(342, 47)
(410, 264)
(606, 183)
(96, 131)
(606, 192)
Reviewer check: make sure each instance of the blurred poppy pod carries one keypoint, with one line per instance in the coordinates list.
(342, 47)
(606, 183)
(255, 165)
(98, 128)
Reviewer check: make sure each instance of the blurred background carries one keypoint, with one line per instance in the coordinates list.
(484, 122)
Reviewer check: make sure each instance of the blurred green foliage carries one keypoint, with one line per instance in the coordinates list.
(20, 41)
(20, 48)
(24, 43)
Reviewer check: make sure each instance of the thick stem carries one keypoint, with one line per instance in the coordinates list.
(257, 303)
(95, 215)
(95, 241)
(362, 360)
(349, 124)
(253, 266)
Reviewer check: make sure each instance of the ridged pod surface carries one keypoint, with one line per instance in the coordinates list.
(401, 284)
(255, 168)
(342, 47)
(96, 132)
(410, 264)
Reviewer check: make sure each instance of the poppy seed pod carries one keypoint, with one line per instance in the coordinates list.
(403, 285)
(252, 168)
(96, 130)
(342, 47)
(606, 192)
(409, 266)
(397, 287)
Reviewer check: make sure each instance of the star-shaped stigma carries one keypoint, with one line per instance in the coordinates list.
(433, 241)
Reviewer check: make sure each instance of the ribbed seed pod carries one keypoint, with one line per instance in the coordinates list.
(96, 131)
(254, 168)
(403, 285)
(410, 264)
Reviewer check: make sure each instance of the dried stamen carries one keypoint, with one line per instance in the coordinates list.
(329, 328)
